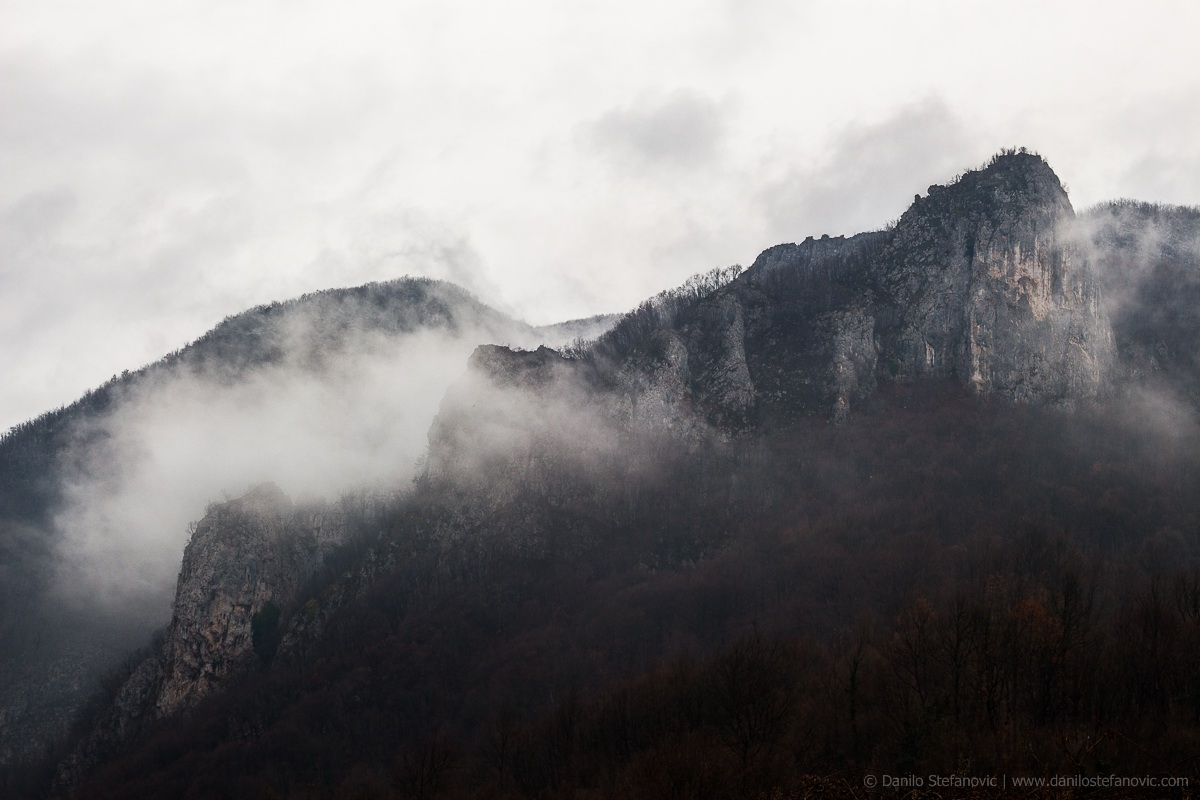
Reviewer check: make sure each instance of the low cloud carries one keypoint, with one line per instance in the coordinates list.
(683, 128)
(1127, 242)
(350, 420)
(870, 172)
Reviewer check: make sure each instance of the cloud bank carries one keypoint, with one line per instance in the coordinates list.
(316, 423)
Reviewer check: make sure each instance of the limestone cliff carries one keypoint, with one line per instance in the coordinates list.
(245, 554)
(980, 284)
(246, 560)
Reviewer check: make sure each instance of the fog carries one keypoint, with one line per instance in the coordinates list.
(1127, 241)
(509, 411)
(1146, 258)
(186, 436)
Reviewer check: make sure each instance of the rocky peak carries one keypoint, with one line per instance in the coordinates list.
(246, 562)
(1011, 185)
(247, 556)
(506, 366)
(982, 283)
(239, 559)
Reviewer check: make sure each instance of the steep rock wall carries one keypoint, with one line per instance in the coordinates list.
(983, 284)
(244, 556)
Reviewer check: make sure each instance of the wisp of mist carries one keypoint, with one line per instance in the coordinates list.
(178, 441)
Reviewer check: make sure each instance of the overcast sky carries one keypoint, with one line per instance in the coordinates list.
(164, 164)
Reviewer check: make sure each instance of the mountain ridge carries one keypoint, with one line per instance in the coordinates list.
(540, 454)
(978, 283)
(45, 674)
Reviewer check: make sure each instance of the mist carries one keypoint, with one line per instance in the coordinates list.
(184, 437)
(1146, 258)
(1128, 241)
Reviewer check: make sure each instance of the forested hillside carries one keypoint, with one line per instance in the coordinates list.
(962, 586)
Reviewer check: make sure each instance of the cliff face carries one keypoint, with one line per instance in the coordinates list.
(983, 284)
(246, 560)
(810, 334)
(245, 556)
(980, 283)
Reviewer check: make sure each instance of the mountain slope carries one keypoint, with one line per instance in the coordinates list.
(970, 567)
(588, 618)
(95, 497)
(981, 284)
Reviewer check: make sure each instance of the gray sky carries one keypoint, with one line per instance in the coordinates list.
(165, 164)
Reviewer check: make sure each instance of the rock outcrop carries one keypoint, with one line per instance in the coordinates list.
(246, 561)
(980, 284)
(245, 556)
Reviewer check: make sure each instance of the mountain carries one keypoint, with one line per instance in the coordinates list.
(983, 285)
(95, 497)
(894, 503)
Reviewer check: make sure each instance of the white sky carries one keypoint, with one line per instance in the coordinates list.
(164, 164)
